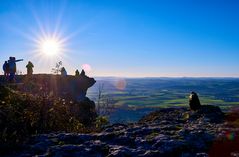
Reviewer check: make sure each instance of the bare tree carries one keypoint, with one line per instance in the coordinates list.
(99, 99)
(57, 69)
(105, 104)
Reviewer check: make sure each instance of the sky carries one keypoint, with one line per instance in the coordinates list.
(124, 38)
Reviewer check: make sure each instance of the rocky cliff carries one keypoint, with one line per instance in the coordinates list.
(68, 87)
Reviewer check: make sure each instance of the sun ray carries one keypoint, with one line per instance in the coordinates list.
(50, 41)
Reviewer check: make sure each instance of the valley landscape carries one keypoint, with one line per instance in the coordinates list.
(139, 96)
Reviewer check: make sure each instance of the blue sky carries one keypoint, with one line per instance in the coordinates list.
(126, 38)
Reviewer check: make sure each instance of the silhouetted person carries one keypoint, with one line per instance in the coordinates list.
(29, 67)
(5, 68)
(77, 73)
(82, 72)
(194, 102)
(63, 72)
(12, 67)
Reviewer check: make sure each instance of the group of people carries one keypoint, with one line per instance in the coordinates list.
(77, 73)
(10, 69)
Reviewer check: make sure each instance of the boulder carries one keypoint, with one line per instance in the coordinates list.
(164, 115)
(210, 113)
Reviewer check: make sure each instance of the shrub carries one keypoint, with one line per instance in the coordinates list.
(101, 122)
(22, 115)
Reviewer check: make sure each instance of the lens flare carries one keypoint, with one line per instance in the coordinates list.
(230, 136)
(121, 84)
(86, 67)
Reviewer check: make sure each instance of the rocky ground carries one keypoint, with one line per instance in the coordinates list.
(167, 132)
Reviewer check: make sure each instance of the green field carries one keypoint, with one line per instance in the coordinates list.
(141, 96)
(166, 92)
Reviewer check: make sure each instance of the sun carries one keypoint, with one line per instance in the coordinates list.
(50, 46)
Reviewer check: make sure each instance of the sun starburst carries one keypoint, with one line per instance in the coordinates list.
(50, 47)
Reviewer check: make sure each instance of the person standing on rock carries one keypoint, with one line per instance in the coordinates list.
(6, 69)
(82, 72)
(77, 73)
(63, 71)
(13, 67)
(29, 67)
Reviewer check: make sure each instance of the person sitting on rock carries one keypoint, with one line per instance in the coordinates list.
(77, 73)
(29, 67)
(82, 72)
(6, 69)
(63, 71)
(194, 102)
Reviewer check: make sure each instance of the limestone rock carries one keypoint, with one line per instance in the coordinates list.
(68, 87)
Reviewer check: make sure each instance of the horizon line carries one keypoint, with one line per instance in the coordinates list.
(146, 77)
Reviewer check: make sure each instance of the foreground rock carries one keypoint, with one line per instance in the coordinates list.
(167, 132)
